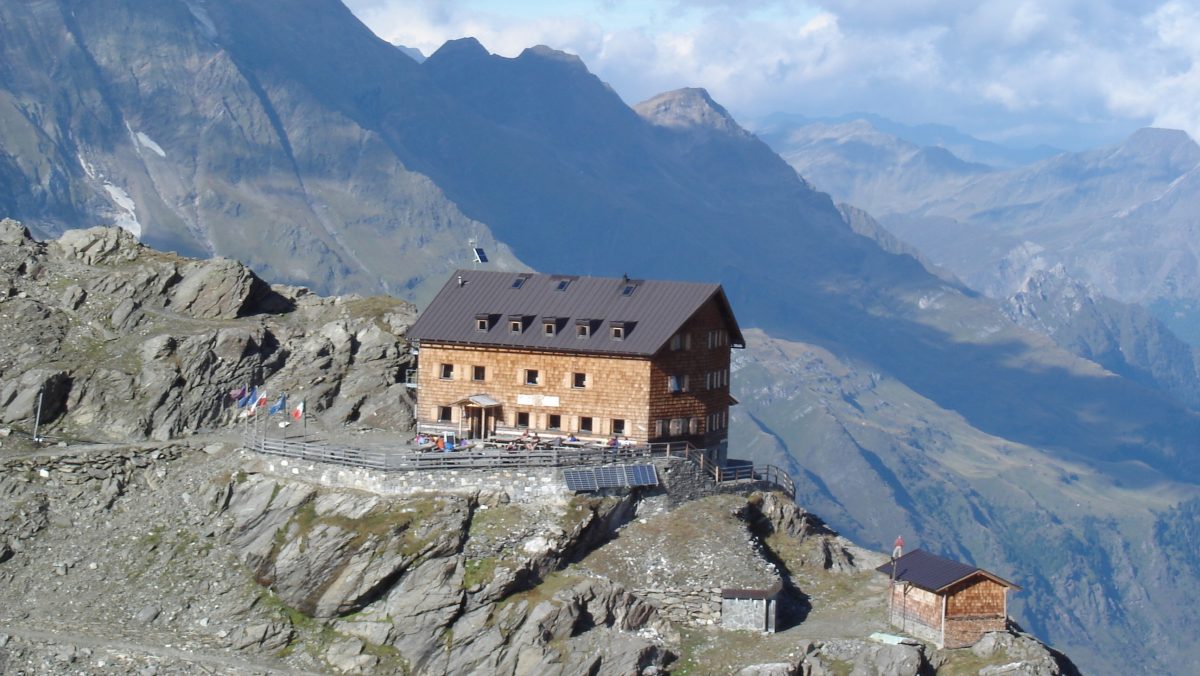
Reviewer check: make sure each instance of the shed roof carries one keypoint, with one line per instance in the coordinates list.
(934, 573)
(649, 312)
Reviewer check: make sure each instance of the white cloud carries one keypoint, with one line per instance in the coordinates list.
(1059, 71)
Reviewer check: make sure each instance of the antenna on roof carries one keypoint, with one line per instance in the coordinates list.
(478, 255)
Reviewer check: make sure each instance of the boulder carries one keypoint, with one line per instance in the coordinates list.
(98, 246)
(219, 288)
(12, 233)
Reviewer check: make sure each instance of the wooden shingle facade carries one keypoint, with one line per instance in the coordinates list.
(948, 603)
(595, 357)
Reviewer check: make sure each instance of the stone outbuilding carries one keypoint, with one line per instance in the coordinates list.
(756, 609)
(948, 603)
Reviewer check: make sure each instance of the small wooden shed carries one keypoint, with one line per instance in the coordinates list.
(948, 603)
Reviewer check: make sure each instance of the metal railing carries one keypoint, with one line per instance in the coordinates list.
(409, 460)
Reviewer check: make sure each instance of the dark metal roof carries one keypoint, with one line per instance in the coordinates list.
(769, 593)
(650, 314)
(929, 571)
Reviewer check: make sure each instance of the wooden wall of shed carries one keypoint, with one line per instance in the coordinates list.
(975, 597)
(914, 605)
(616, 387)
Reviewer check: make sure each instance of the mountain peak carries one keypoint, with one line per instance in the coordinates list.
(689, 108)
(551, 54)
(1170, 145)
(460, 48)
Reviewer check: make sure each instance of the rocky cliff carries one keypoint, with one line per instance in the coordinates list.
(176, 558)
(123, 342)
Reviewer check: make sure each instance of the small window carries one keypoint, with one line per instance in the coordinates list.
(514, 326)
(447, 371)
(677, 384)
(659, 427)
(444, 413)
(554, 421)
(583, 330)
(579, 380)
(562, 285)
(532, 377)
(618, 426)
(523, 419)
(618, 333)
(519, 282)
(677, 426)
(585, 424)
(481, 324)
(694, 425)
(478, 373)
(681, 341)
(548, 328)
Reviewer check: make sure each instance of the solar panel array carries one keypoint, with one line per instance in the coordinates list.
(580, 480)
(610, 476)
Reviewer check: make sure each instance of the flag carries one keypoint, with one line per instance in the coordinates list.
(236, 395)
(260, 399)
(298, 412)
(249, 398)
(279, 405)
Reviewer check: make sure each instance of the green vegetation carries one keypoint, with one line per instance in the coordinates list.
(479, 571)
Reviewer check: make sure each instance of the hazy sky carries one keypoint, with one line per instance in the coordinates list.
(1071, 73)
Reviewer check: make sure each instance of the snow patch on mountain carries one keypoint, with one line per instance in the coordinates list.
(126, 218)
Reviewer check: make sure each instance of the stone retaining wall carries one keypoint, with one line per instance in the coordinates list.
(519, 484)
(693, 606)
(114, 467)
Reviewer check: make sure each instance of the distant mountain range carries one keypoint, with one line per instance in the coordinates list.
(1122, 219)
(288, 136)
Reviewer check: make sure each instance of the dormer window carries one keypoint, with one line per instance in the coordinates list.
(516, 323)
(616, 330)
(549, 326)
(482, 322)
(583, 328)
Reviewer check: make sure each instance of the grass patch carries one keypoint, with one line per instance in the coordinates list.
(504, 518)
(963, 662)
(479, 571)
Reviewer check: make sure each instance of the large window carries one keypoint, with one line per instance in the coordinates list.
(554, 421)
(444, 414)
(447, 371)
(532, 377)
(618, 426)
(478, 373)
(585, 424)
(522, 418)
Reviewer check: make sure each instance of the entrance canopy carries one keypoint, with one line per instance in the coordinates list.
(479, 401)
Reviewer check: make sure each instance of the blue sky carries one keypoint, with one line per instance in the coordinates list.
(1069, 73)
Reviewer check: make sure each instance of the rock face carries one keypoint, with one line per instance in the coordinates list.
(149, 345)
(251, 573)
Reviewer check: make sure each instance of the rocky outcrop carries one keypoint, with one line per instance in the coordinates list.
(394, 573)
(819, 544)
(125, 343)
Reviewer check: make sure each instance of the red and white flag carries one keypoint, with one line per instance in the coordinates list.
(298, 412)
(260, 401)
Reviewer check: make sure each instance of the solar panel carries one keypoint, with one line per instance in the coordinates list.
(480, 256)
(611, 476)
(641, 475)
(580, 480)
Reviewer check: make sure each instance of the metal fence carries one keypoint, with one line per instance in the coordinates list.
(410, 460)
